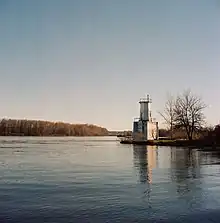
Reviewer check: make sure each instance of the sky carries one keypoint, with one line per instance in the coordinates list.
(83, 61)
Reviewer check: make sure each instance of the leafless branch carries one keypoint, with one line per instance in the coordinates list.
(188, 113)
(168, 113)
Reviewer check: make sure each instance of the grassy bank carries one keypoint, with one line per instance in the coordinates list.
(176, 143)
(182, 143)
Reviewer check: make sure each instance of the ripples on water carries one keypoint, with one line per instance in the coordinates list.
(97, 179)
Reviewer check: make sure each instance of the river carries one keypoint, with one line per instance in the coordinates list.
(97, 179)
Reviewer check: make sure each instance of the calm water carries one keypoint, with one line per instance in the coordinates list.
(100, 180)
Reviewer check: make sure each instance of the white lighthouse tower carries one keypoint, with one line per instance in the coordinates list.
(144, 128)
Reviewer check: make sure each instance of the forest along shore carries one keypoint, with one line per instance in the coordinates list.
(14, 127)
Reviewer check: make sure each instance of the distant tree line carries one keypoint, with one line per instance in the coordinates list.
(14, 127)
(212, 135)
(120, 133)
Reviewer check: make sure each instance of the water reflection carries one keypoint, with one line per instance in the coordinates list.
(173, 170)
(145, 160)
(185, 170)
(183, 163)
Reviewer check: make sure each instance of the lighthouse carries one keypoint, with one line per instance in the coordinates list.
(144, 128)
(145, 113)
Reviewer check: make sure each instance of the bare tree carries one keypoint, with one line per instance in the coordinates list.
(168, 113)
(188, 113)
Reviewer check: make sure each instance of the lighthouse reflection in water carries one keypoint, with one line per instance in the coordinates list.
(145, 160)
(155, 164)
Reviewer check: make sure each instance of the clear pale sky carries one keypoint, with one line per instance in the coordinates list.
(89, 61)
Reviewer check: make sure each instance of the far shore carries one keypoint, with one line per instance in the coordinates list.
(61, 136)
